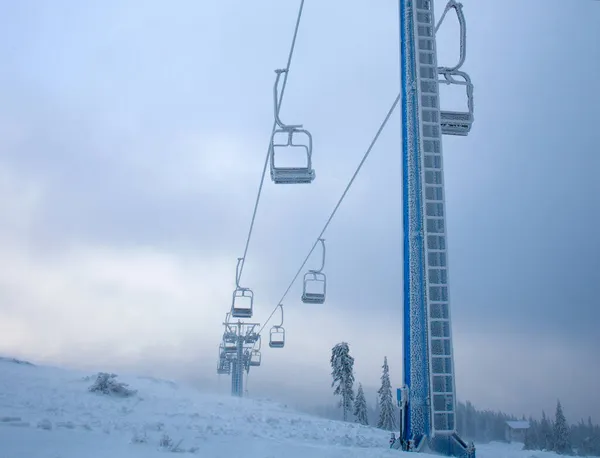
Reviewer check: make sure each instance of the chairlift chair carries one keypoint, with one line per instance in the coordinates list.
(458, 122)
(303, 174)
(286, 174)
(251, 337)
(255, 358)
(315, 283)
(242, 304)
(223, 367)
(230, 347)
(277, 337)
(229, 336)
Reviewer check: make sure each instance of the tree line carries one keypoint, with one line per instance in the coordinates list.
(481, 426)
(342, 372)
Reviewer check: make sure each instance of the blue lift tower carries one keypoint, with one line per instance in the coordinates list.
(428, 397)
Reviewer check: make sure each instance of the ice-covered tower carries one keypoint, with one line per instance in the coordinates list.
(428, 396)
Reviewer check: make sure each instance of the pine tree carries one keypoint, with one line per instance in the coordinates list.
(360, 407)
(530, 436)
(560, 435)
(387, 417)
(545, 433)
(342, 365)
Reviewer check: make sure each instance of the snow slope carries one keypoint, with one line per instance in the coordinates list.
(47, 412)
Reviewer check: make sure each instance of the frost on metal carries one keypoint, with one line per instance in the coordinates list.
(430, 346)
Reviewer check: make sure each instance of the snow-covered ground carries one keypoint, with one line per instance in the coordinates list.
(48, 412)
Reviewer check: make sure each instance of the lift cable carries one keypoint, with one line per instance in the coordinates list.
(262, 178)
(366, 155)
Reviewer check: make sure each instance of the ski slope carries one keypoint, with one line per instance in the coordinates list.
(48, 412)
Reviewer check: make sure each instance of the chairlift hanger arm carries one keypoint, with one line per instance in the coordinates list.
(277, 105)
(453, 4)
(322, 240)
(281, 307)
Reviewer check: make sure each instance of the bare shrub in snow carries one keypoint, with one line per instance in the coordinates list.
(167, 443)
(107, 384)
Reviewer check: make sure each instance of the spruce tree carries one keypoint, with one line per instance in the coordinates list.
(387, 416)
(342, 365)
(530, 436)
(560, 434)
(360, 407)
(545, 434)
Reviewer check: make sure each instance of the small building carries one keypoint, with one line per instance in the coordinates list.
(515, 430)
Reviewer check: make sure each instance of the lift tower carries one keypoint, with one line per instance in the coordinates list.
(428, 397)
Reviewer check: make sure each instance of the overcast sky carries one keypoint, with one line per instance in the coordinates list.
(132, 137)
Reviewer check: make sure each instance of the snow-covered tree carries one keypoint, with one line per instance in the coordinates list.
(545, 433)
(360, 406)
(342, 371)
(531, 439)
(560, 433)
(387, 414)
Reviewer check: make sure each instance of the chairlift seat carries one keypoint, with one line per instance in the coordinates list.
(292, 175)
(313, 298)
(456, 123)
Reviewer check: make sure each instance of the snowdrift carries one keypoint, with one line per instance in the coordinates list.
(47, 412)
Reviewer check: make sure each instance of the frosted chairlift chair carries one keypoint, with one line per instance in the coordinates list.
(297, 140)
(315, 283)
(230, 347)
(223, 367)
(255, 358)
(243, 298)
(277, 334)
(457, 122)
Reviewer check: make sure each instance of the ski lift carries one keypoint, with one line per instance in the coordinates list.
(457, 122)
(223, 367)
(300, 172)
(243, 301)
(315, 283)
(277, 334)
(252, 337)
(243, 298)
(277, 339)
(230, 347)
(255, 358)
(229, 336)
